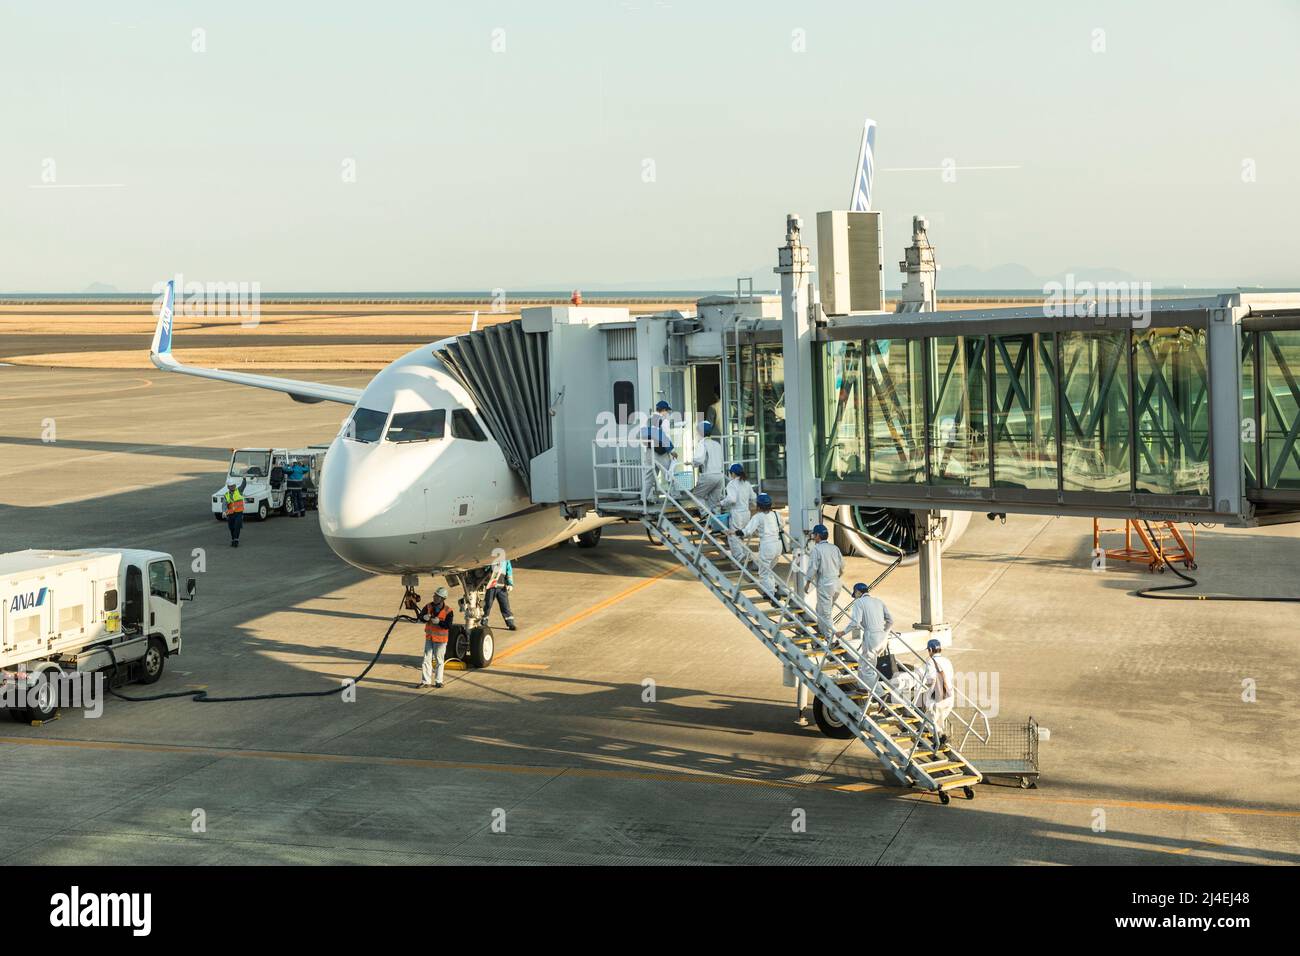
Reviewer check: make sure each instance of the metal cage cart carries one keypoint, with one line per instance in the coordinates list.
(1011, 751)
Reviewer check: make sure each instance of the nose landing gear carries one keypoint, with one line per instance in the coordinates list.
(472, 641)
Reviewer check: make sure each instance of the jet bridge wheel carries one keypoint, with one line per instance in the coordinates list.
(827, 723)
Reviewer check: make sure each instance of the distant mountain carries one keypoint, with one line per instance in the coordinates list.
(99, 288)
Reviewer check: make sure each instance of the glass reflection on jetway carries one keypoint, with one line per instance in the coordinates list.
(1026, 415)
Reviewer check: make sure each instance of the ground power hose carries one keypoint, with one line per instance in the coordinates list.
(1191, 582)
(202, 696)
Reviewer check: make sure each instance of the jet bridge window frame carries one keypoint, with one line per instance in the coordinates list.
(928, 493)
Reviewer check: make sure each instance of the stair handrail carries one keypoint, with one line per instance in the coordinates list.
(830, 647)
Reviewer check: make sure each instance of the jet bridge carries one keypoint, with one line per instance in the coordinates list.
(552, 381)
(1017, 410)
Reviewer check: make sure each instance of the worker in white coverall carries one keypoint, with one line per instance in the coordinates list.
(825, 567)
(659, 471)
(938, 692)
(735, 504)
(767, 526)
(869, 623)
(708, 460)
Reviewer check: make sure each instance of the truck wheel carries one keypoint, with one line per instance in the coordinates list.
(589, 539)
(46, 703)
(828, 724)
(155, 658)
(263, 511)
(482, 647)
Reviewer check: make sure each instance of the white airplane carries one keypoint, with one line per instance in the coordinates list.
(413, 483)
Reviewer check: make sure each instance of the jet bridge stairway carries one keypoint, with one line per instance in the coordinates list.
(889, 725)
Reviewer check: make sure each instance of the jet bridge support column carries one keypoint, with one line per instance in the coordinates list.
(930, 565)
(794, 266)
(795, 269)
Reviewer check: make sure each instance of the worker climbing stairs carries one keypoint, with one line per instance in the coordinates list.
(849, 691)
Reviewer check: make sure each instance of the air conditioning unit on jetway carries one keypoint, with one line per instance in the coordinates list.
(850, 262)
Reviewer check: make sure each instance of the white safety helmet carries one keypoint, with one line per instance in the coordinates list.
(441, 592)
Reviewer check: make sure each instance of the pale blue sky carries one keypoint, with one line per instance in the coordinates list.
(523, 169)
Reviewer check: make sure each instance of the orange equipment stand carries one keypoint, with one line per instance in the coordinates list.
(1168, 542)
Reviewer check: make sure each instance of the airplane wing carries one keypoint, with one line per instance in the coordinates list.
(160, 353)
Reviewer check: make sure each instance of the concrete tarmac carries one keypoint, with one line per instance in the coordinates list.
(630, 719)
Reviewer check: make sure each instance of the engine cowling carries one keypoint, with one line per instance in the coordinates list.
(895, 526)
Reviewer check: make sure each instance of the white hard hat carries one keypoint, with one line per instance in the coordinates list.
(441, 592)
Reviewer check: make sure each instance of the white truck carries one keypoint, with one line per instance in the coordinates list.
(253, 471)
(64, 613)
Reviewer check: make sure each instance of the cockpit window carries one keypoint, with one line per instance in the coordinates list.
(418, 426)
(464, 426)
(366, 425)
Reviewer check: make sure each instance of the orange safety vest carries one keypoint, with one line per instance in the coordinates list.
(436, 628)
(234, 503)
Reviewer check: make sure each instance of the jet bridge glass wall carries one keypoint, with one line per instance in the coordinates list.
(1270, 390)
(754, 400)
(1084, 416)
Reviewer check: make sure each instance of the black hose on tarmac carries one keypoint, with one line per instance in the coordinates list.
(1191, 582)
(202, 697)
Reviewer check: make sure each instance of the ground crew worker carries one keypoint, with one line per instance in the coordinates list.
(825, 566)
(296, 474)
(767, 525)
(708, 459)
(501, 581)
(869, 621)
(233, 509)
(939, 694)
(735, 504)
(661, 452)
(436, 616)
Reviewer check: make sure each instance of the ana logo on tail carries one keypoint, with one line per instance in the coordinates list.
(162, 336)
(866, 171)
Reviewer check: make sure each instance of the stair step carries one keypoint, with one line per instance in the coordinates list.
(952, 783)
(939, 765)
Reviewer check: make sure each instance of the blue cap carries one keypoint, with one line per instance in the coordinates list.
(763, 499)
(662, 406)
(933, 644)
(821, 530)
(736, 470)
(706, 427)
(860, 588)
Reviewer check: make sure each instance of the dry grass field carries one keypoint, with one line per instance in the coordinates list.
(284, 336)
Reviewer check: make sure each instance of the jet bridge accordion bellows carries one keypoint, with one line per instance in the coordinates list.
(507, 373)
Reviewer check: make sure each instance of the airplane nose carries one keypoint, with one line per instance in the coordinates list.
(368, 514)
(342, 510)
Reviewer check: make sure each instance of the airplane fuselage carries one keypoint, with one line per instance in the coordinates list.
(405, 490)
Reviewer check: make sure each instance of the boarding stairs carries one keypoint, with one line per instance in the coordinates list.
(869, 707)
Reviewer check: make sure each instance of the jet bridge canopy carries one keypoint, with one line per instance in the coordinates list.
(1016, 410)
(507, 373)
